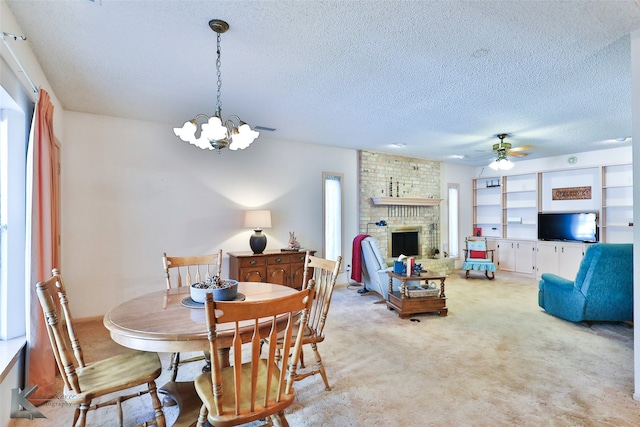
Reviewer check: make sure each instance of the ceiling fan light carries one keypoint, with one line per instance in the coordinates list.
(501, 162)
(506, 165)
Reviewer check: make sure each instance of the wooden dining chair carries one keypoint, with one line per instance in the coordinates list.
(83, 382)
(322, 274)
(185, 271)
(256, 389)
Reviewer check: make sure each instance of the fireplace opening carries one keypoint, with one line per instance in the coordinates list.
(404, 241)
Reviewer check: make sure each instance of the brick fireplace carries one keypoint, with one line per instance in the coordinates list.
(405, 178)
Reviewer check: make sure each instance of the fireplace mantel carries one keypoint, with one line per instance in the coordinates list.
(405, 201)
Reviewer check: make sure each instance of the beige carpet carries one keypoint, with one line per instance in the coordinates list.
(495, 360)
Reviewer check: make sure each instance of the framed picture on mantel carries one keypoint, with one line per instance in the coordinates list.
(477, 232)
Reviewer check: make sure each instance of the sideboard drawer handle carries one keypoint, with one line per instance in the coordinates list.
(253, 262)
(278, 259)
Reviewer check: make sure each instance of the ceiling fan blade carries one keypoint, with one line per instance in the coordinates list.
(522, 148)
(516, 153)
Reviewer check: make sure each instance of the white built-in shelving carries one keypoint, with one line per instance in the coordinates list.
(616, 216)
(520, 206)
(506, 210)
(487, 206)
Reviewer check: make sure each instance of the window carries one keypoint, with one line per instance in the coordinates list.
(332, 215)
(13, 148)
(454, 219)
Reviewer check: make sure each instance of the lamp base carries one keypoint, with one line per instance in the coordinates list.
(258, 242)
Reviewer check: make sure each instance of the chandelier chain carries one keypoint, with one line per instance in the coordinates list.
(218, 102)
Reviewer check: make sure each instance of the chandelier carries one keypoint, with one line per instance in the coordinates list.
(501, 162)
(214, 132)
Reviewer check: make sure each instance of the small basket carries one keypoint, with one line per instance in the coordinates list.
(415, 293)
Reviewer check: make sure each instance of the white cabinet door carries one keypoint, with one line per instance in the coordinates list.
(546, 258)
(506, 255)
(562, 259)
(517, 256)
(570, 258)
(525, 257)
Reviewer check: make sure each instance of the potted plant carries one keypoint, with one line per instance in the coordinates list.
(222, 289)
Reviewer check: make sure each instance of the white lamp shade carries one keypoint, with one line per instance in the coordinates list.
(213, 130)
(187, 131)
(258, 219)
(501, 164)
(243, 137)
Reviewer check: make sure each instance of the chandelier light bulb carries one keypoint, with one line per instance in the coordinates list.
(187, 131)
(242, 137)
(213, 129)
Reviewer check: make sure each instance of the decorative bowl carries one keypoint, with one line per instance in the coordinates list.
(226, 290)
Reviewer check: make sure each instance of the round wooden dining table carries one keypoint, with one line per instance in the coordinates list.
(167, 321)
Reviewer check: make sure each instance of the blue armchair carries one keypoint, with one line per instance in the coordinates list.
(602, 290)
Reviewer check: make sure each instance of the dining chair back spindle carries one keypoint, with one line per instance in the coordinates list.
(254, 386)
(190, 269)
(84, 381)
(184, 271)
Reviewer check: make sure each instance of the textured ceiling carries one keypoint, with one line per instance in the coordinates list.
(441, 77)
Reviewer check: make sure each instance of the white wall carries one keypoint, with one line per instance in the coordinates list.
(463, 175)
(131, 190)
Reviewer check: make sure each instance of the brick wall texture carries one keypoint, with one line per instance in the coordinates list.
(385, 175)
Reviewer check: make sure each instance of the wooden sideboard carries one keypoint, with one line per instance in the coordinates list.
(280, 267)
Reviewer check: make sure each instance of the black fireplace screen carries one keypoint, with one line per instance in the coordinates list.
(405, 243)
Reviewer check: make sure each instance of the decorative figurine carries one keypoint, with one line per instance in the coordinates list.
(293, 243)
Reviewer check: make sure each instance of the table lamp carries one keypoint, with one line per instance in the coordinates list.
(258, 220)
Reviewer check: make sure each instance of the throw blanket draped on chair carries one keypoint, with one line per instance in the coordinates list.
(356, 258)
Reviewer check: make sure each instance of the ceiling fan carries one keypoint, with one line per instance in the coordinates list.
(504, 149)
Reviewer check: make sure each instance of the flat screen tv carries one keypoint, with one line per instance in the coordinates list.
(572, 226)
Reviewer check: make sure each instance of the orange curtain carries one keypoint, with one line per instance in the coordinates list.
(44, 243)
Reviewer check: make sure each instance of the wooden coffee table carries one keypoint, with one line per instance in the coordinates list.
(406, 305)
